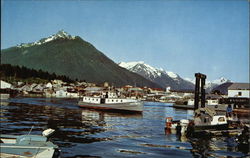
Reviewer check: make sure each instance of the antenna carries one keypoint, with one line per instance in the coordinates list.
(30, 130)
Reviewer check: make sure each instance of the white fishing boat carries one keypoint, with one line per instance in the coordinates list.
(32, 146)
(214, 122)
(207, 121)
(111, 101)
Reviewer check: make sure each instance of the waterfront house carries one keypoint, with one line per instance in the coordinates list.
(4, 90)
(25, 89)
(72, 93)
(238, 96)
(61, 93)
(49, 85)
(239, 90)
(39, 88)
(5, 85)
(156, 91)
(32, 86)
(58, 82)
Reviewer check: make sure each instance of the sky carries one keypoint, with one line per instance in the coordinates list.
(182, 36)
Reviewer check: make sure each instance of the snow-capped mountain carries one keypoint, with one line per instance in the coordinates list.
(146, 70)
(59, 35)
(159, 76)
(190, 80)
(211, 84)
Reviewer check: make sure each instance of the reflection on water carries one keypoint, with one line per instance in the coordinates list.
(89, 133)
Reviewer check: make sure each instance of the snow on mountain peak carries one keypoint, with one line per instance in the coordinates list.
(149, 70)
(63, 34)
(190, 80)
(171, 74)
(60, 34)
(139, 66)
(221, 80)
(130, 65)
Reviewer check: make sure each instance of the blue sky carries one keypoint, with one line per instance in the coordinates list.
(207, 36)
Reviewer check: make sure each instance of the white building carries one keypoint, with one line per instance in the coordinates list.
(61, 93)
(240, 90)
(49, 85)
(4, 85)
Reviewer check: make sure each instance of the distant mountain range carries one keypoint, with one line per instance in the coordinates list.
(71, 56)
(168, 78)
(210, 85)
(76, 58)
(159, 76)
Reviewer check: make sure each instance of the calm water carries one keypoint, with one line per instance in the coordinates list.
(89, 133)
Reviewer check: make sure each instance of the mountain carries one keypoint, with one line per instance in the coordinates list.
(159, 76)
(222, 88)
(71, 56)
(210, 85)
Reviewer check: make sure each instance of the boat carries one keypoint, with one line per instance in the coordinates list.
(207, 120)
(32, 146)
(189, 104)
(111, 101)
(212, 104)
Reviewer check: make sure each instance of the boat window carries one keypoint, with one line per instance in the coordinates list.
(112, 100)
(221, 119)
(96, 99)
(121, 100)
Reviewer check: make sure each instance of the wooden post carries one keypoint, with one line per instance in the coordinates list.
(197, 91)
(203, 91)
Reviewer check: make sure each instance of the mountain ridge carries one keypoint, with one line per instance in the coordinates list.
(160, 76)
(168, 78)
(74, 57)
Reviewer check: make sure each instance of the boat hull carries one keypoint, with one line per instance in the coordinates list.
(32, 146)
(183, 106)
(220, 107)
(200, 128)
(130, 106)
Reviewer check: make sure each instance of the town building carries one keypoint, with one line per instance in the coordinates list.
(239, 90)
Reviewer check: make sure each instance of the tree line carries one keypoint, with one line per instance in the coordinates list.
(7, 70)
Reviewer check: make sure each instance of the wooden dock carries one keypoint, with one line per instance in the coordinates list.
(242, 110)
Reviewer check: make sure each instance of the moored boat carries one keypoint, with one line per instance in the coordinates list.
(111, 101)
(212, 104)
(32, 146)
(206, 119)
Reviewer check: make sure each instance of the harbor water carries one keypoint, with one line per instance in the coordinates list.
(90, 133)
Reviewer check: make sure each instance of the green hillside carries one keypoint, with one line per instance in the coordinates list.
(74, 58)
